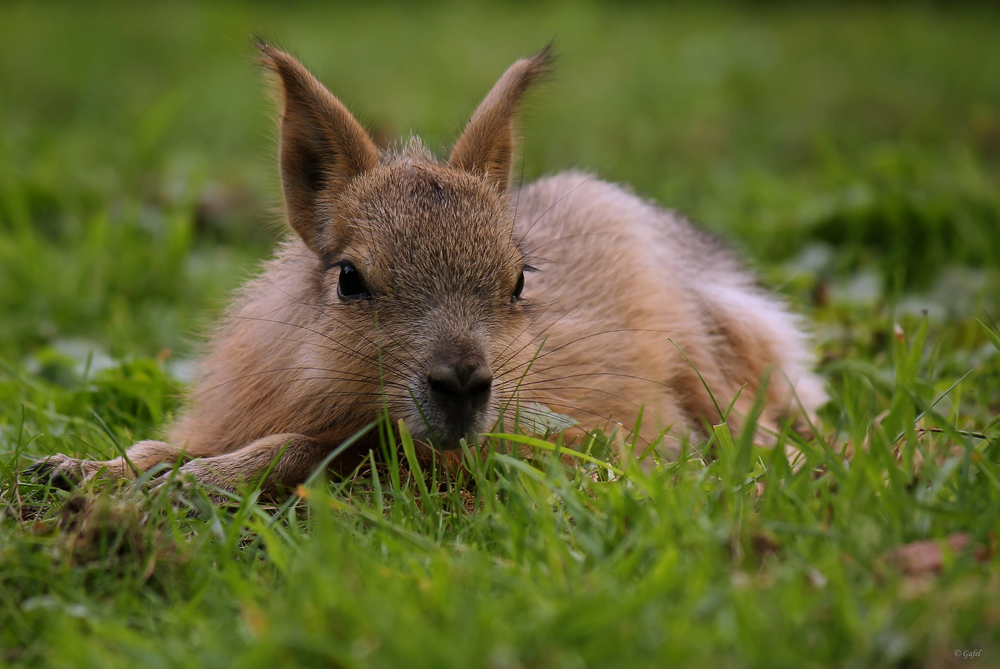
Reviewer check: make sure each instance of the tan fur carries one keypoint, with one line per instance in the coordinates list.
(628, 302)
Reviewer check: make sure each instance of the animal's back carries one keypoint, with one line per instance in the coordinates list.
(633, 299)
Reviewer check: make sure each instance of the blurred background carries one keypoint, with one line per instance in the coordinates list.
(852, 153)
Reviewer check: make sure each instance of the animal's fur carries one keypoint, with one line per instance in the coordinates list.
(628, 302)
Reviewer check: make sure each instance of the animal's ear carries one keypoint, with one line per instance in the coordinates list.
(322, 146)
(487, 144)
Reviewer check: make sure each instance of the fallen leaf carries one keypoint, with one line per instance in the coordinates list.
(926, 557)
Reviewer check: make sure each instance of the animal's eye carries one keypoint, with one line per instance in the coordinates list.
(351, 286)
(518, 288)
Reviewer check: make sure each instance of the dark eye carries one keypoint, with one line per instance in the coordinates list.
(518, 288)
(351, 286)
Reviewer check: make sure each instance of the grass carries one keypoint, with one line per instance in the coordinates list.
(852, 154)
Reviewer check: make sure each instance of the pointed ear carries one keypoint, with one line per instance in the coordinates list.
(487, 144)
(322, 146)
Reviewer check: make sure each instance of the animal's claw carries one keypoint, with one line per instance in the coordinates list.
(53, 471)
(39, 468)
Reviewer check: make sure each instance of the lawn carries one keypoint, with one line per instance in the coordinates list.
(851, 154)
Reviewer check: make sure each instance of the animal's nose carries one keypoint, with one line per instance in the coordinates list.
(463, 382)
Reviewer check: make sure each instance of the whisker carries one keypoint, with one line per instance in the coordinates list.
(533, 387)
(535, 337)
(402, 345)
(345, 393)
(343, 346)
(609, 419)
(520, 183)
(607, 332)
(536, 384)
(563, 238)
(357, 378)
(554, 204)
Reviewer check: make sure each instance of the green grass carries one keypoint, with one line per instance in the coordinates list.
(853, 155)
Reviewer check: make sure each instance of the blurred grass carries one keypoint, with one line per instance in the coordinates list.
(147, 137)
(853, 154)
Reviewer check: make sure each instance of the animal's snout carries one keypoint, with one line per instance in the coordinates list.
(457, 391)
(459, 382)
(462, 386)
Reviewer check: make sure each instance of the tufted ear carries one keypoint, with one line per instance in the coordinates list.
(487, 144)
(322, 147)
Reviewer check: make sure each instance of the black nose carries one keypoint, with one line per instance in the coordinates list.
(460, 387)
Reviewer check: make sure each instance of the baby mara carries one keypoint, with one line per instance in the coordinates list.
(444, 291)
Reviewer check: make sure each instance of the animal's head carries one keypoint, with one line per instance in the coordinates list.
(417, 255)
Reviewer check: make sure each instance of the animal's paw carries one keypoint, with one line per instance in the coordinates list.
(66, 473)
(59, 470)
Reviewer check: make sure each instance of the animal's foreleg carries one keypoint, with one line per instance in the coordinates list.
(278, 462)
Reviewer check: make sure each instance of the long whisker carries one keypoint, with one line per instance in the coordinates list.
(532, 257)
(609, 419)
(520, 182)
(563, 238)
(529, 387)
(554, 204)
(535, 338)
(591, 335)
(352, 352)
(353, 377)
(329, 348)
(496, 359)
(537, 384)
(352, 394)
(402, 345)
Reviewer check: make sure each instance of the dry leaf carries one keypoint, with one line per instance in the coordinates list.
(925, 557)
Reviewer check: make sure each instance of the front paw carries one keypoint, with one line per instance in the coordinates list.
(60, 471)
(66, 473)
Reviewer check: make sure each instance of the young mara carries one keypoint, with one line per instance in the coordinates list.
(456, 298)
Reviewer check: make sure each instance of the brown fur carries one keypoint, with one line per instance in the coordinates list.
(629, 301)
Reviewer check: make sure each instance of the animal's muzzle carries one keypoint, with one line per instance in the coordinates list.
(459, 389)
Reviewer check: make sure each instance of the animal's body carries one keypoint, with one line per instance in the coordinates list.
(438, 288)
